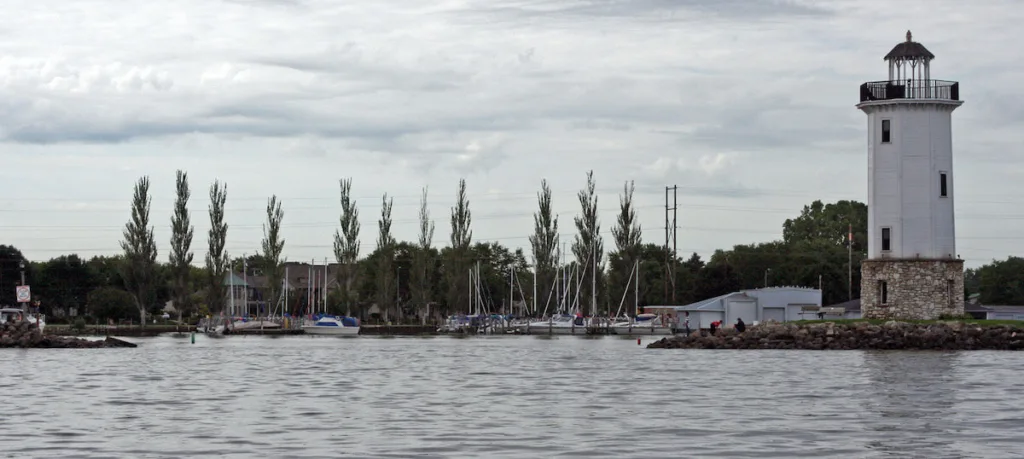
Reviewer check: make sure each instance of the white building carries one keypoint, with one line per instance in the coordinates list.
(782, 304)
(912, 270)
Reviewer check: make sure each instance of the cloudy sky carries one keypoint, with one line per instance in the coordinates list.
(746, 105)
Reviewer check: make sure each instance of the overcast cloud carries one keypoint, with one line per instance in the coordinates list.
(747, 106)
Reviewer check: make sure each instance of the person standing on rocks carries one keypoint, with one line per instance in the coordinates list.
(686, 322)
(740, 326)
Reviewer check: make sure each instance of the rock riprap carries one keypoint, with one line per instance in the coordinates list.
(857, 335)
(26, 335)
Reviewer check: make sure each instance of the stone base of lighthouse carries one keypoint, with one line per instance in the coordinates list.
(911, 289)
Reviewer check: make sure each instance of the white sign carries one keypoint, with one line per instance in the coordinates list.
(24, 294)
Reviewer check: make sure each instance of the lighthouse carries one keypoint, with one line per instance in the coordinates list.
(912, 270)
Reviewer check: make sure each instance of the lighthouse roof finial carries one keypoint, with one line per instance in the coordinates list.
(909, 50)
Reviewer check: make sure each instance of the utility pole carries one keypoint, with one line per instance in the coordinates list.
(675, 249)
(670, 236)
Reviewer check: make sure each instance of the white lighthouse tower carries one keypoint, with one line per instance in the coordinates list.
(912, 270)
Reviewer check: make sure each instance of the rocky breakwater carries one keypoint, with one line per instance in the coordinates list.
(858, 335)
(26, 335)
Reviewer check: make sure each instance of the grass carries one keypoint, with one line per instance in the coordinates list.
(991, 323)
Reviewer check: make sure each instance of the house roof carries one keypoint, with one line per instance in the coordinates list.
(974, 307)
(852, 305)
(299, 274)
(714, 304)
(231, 278)
(1005, 308)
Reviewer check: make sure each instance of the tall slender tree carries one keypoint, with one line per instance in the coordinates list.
(627, 235)
(544, 243)
(181, 246)
(459, 257)
(346, 246)
(385, 266)
(139, 262)
(588, 247)
(273, 246)
(421, 262)
(216, 256)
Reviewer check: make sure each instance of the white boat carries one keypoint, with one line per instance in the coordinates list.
(238, 324)
(17, 315)
(643, 324)
(330, 325)
(560, 324)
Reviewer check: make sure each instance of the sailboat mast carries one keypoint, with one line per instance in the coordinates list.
(593, 279)
(231, 282)
(309, 289)
(534, 290)
(636, 287)
(511, 288)
(325, 284)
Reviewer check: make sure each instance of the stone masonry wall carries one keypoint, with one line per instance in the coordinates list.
(916, 289)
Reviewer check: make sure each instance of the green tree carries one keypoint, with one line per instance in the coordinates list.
(420, 290)
(139, 261)
(107, 270)
(588, 246)
(181, 247)
(457, 261)
(497, 263)
(544, 243)
(216, 256)
(64, 283)
(108, 303)
(1002, 282)
(829, 222)
(346, 247)
(813, 252)
(10, 273)
(273, 246)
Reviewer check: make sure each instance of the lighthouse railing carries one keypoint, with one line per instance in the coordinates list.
(910, 89)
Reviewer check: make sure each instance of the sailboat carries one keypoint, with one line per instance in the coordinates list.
(324, 323)
(642, 324)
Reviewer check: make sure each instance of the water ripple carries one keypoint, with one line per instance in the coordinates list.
(516, 397)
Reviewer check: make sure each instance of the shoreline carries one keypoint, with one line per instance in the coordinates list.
(863, 335)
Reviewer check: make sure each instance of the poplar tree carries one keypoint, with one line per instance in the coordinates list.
(385, 263)
(346, 246)
(544, 243)
(181, 245)
(138, 266)
(627, 236)
(216, 257)
(459, 263)
(588, 247)
(273, 246)
(421, 272)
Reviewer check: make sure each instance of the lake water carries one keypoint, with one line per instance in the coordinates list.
(515, 396)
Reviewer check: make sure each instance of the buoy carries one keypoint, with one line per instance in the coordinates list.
(193, 337)
(638, 341)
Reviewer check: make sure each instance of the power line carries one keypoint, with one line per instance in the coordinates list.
(371, 218)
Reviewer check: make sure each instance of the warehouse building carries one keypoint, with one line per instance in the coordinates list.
(781, 304)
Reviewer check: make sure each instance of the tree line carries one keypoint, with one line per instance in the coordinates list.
(402, 278)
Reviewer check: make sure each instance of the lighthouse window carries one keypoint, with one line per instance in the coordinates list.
(883, 292)
(886, 239)
(943, 189)
(886, 133)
